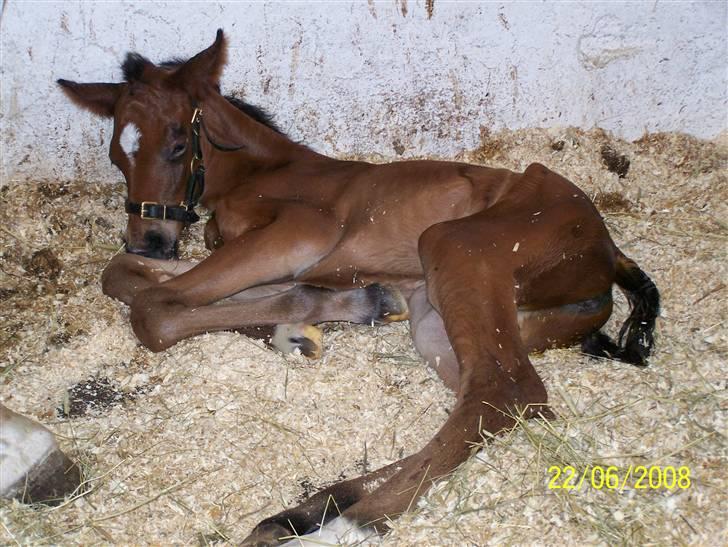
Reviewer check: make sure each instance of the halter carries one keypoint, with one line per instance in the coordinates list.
(185, 211)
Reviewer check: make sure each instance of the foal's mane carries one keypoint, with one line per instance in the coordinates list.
(133, 67)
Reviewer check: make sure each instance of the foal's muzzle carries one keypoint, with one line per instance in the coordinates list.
(155, 245)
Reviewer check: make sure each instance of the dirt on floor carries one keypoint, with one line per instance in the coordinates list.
(198, 443)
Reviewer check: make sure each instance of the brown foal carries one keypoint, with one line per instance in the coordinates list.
(492, 264)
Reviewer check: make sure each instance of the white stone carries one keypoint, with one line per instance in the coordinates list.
(23, 444)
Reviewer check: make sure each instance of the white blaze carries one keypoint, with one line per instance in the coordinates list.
(129, 140)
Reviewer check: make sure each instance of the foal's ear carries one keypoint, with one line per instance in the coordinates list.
(98, 98)
(206, 66)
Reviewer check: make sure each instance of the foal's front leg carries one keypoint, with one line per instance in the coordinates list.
(126, 275)
(266, 312)
(292, 310)
(296, 239)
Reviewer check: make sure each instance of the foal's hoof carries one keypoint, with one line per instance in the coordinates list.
(306, 338)
(32, 467)
(389, 304)
(267, 535)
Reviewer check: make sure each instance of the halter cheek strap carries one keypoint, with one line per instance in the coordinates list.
(185, 211)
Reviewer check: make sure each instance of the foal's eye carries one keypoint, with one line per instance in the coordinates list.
(178, 151)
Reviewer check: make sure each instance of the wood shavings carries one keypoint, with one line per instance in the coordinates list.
(222, 433)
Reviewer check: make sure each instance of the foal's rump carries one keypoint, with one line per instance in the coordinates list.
(564, 282)
(585, 243)
(546, 239)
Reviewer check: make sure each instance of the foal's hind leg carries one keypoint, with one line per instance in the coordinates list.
(476, 301)
(322, 507)
(432, 343)
(563, 326)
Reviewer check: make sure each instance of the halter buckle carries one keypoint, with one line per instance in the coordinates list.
(143, 213)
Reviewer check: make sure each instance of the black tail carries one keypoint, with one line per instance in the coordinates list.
(636, 335)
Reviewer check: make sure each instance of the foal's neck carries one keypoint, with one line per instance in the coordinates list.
(230, 127)
(255, 147)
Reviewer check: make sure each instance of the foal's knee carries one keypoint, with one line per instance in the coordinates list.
(118, 278)
(110, 281)
(154, 314)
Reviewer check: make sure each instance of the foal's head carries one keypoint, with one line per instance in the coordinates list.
(152, 139)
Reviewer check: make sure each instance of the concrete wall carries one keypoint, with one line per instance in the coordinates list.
(399, 78)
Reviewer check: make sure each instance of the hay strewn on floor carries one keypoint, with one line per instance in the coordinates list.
(197, 444)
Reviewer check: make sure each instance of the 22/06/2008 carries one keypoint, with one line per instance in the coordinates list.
(652, 478)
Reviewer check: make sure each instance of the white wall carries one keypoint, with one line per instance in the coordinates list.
(373, 77)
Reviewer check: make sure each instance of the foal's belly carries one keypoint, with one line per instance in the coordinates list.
(350, 266)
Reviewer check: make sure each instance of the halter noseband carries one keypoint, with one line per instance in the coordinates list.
(185, 211)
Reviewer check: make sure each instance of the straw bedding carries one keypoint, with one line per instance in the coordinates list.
(196, 444)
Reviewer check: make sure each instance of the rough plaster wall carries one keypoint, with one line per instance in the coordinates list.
(398, 78)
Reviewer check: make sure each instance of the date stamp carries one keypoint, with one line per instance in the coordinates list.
(637, 477)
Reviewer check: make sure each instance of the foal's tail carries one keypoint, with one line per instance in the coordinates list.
(636, 335)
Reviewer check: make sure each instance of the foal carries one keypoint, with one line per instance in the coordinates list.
(493, 264)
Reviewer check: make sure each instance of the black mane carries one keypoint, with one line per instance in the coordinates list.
(257, 113)
(133, 67)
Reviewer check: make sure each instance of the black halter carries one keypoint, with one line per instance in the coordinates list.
(185, 211)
